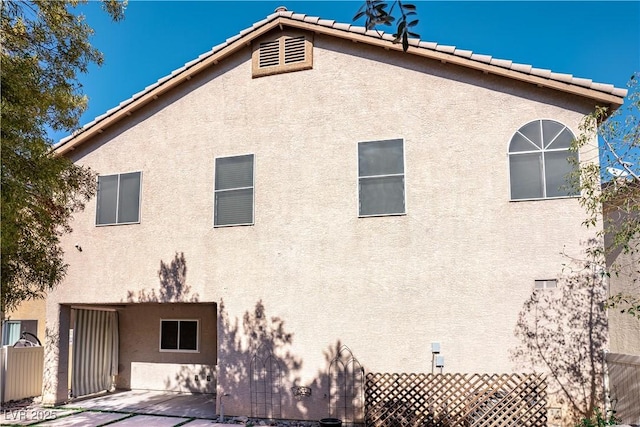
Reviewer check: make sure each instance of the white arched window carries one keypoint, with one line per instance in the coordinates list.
(539, 163)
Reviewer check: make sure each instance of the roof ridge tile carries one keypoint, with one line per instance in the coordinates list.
(428, 45)
(445, 48)
(326, 22)
(541, 72)
(504, 63)
(260, 23)
(246, 31)
(358, 30)
(463, 53)
(481, 58)
(566, 78)
(388, 36)
(233, 38)
(329, 23)
(521, 68)
(341, 26)
(582, 82)
(273, 16)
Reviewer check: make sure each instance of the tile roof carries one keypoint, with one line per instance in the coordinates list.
(351, 31)
(521, 68)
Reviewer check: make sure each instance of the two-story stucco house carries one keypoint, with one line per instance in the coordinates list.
(306, 185)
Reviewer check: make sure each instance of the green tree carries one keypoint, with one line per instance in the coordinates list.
(611, 191)
(381, 13)
(44, 45)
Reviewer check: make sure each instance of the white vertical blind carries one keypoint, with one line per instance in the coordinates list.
(10, 332)
(95, 351)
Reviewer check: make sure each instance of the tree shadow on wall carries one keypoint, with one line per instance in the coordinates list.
(342, 385)
(259, 372)
(563, 332)
(173, 284)
(244, 343)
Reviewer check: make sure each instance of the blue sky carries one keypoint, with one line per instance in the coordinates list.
(595, 40)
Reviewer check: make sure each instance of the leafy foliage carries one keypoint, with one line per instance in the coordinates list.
(379, 13)
(598, 419)
(612, 190)
(44, 46)
(564, 332)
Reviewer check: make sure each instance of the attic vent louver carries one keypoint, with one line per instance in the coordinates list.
(288, 52)
(269, 53)
(294, 50)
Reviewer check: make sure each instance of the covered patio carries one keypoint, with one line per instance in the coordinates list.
(130, 408)
(186, 405)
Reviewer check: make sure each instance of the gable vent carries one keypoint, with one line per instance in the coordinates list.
(288, 52)
(269, 53)
(294, 50)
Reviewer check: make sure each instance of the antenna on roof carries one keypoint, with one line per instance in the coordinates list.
(280, 9)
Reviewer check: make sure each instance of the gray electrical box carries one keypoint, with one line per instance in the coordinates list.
(439, 361)
(435, 347)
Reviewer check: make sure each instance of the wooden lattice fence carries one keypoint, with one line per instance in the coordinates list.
(447, 400)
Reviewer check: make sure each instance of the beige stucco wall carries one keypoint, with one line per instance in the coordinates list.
(624, 328)
(30, 310)
(456, 269)
(143, 366)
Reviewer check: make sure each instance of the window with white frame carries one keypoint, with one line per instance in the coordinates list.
(13, 329)
(381, 177)
(233, 191)
(179, 335)
(540, 161)
(119, 199)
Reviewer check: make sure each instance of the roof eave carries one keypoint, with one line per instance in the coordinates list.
(233, 45)
(610, 99)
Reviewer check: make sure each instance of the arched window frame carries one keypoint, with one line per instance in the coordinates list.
(549, 133)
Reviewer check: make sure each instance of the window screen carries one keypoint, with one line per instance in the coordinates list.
(540, 162)
(179, 335)
(234, 191)
(381, 177)
(118, 199)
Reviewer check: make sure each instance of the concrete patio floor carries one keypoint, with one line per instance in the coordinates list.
(151, 402)
(126, 408)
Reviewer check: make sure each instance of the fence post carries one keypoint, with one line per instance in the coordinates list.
(3, 371)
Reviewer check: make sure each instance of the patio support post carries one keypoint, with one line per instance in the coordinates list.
(56, 364)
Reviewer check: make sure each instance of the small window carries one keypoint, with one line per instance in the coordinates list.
(546, 284)
(281, 54)
(233, 191)
(381, 178)
(13, 329)
(119, 199)
(539, 161)
(179, 335)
